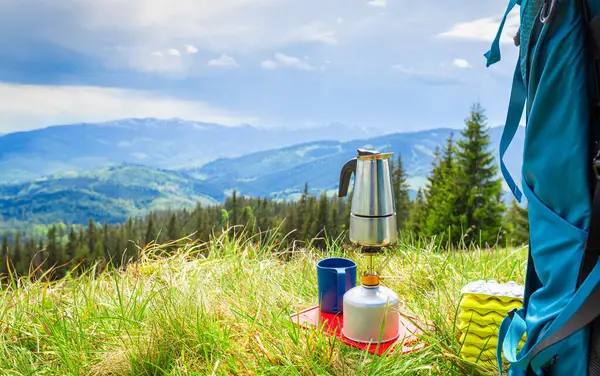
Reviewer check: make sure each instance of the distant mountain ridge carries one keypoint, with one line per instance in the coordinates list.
(283, 172)
(159, 143)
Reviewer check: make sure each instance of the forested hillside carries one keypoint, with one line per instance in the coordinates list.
(461, 205)
(112, 194)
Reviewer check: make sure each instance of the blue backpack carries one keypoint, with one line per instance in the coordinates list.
(556, 76)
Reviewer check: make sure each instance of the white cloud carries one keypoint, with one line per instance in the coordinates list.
(25, 107)
(269, 64)
(173, 52)
(340, 20)
(291, 61)
(166, 62)
(190, 49)
(484, 29)
(377, 3)
(285, 61)
(138, 26)
(461, 63)
(311, 32)
(223, 61)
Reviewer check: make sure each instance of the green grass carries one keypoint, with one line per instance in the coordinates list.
(222, 308)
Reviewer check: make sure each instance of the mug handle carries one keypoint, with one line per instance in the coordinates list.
(341, 288)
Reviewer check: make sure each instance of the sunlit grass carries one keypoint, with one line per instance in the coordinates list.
(223, 308)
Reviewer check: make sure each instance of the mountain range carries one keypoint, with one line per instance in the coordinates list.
(114, 170)
(159, 143)
(283, 172)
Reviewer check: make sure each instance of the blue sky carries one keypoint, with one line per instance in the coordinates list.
(387, 64)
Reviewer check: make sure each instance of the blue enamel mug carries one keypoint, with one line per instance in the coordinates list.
(335, 276)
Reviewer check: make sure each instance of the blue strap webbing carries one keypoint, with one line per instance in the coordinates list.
(493, 55)
(516, 106)
(518, 95)
(515, 328)
(502, 332)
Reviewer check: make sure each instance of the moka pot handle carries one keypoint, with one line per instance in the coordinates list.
(345, 175)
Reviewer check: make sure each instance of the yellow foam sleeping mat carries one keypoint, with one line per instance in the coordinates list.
(482, 308)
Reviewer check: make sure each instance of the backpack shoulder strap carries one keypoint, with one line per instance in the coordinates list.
(584, 308)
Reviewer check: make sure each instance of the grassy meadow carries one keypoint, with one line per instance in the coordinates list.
(223, 307)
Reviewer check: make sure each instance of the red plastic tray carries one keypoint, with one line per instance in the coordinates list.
(333, 324)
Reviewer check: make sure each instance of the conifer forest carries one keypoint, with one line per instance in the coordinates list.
(461, 205)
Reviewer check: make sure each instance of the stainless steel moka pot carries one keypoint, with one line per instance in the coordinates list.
(372, 211)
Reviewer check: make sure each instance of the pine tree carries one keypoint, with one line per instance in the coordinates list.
(434, 180)
(344, 215)
(82, 251)
(262, 215)
(120, 247)
(31, 254)
(150, 231)
(61, 233)
(172, 229)
(247, 218)
(130, 230)
(323, 221)
(290, 226)
(324, 217)
(199, 222)
(417, 217)
(23, 265)
(234, 209)
(91, 237)
(312, 212)
(303, 214)
(106, 241)
(517, 224)
(401, 196)
(442, 219)
(54, 258)
(72, 245)
(98, 255)
(203, 223)
(478, 185)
